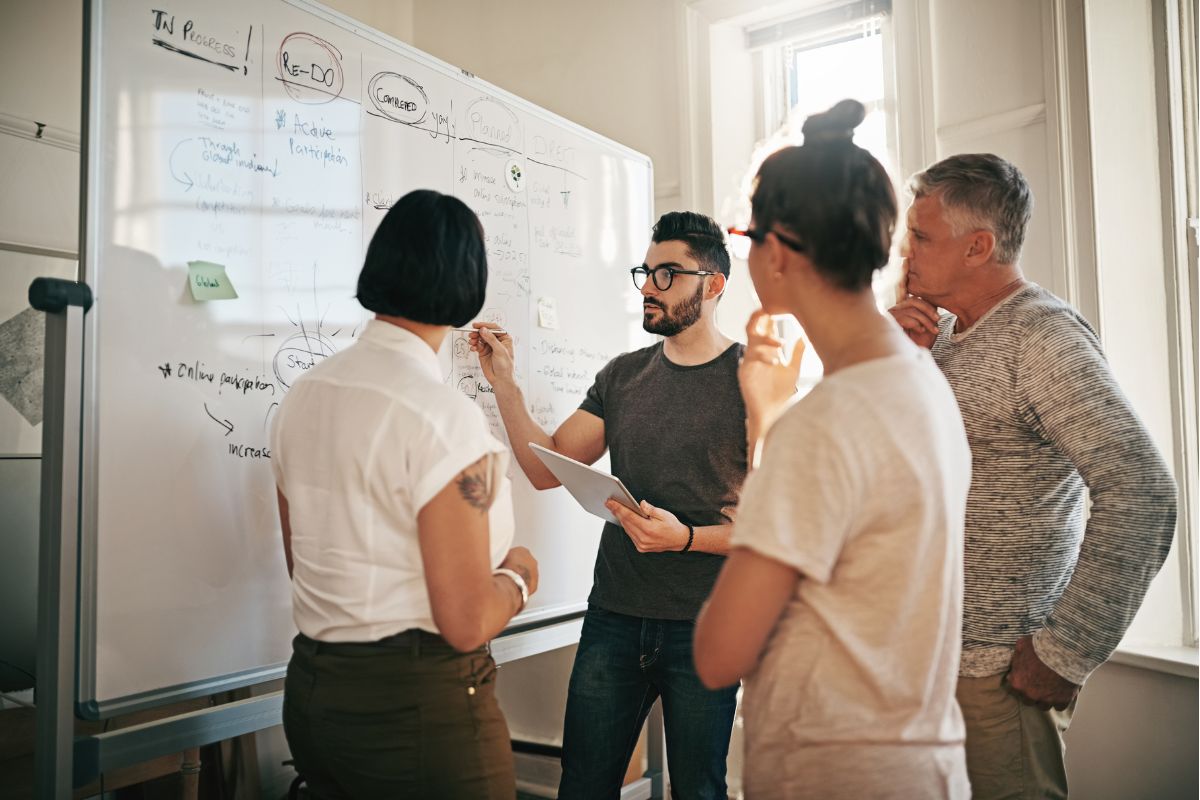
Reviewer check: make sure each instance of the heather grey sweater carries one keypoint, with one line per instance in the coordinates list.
(1046, 421)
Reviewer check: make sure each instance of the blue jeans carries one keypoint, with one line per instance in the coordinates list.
(624, 663)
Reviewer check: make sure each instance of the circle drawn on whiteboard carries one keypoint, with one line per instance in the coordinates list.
(310, 69)
(299, 353)
(466, 385)
(514, 175)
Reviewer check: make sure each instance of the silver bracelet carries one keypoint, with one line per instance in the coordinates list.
(518, 580)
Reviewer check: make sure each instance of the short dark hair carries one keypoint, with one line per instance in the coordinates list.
(703, 236)
(427, 261)
(981, 191)
(832, 196)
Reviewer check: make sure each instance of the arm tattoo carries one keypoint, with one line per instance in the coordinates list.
(476, 486)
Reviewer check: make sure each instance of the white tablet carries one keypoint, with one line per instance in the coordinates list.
(588, 485)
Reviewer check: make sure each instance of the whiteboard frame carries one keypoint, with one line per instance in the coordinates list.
(91, 150)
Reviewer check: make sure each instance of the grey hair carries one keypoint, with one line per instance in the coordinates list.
(981, 191)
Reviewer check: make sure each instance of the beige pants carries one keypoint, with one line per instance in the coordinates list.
(1014, 750)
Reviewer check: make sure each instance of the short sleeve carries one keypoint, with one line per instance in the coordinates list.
(593, 403)
(444, 443)
(276, 452)
(796, 507)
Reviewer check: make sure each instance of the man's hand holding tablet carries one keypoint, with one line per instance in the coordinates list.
(653, 530)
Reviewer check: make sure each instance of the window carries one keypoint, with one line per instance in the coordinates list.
(1168, 616)
(806, 64)
(814, 61)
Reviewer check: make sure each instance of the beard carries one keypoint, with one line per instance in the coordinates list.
(677, 318)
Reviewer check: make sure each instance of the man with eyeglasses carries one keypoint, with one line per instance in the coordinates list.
(671, 416)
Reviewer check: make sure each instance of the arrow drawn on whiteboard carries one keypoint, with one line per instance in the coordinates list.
(226, 424)
(186, 180)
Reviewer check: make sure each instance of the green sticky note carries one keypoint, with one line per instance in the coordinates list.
(208, 281)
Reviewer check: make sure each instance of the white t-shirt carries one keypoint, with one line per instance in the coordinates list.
(862, 488)
(359, 445)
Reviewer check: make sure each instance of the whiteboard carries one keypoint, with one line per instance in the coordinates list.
(270, 137)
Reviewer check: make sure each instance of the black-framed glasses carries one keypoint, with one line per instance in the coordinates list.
(661, 275)
(758, 236)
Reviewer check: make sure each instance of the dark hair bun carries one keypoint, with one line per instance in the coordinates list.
(835, 125)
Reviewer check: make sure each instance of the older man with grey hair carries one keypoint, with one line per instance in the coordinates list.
(1048, 595)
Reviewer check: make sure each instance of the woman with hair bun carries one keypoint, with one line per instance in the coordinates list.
(841, 600)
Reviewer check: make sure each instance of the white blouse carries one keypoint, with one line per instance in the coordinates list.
(359, 445)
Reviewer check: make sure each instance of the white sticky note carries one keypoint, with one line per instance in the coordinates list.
(547, 313)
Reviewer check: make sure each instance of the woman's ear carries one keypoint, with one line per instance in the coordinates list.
(776, 256)
(784, 262)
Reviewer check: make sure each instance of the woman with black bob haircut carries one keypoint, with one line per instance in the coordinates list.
(841, 599)
(397, 530)
(427, 262)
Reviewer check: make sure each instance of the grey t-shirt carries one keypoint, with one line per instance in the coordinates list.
(677, 439)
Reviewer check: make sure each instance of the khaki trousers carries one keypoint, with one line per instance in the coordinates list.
(1014, 751)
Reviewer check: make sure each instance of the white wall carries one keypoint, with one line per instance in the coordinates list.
(611, 67)
(40, 68)
(972, 45)
(1134, 736)
(41, 59)
(393, 17)
(732, 114)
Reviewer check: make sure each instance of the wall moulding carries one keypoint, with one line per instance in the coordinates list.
(993, 123)
(39, 132)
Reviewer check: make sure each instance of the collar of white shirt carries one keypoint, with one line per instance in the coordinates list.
(400, 340)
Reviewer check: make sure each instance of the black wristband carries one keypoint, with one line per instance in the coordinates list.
(691, 536)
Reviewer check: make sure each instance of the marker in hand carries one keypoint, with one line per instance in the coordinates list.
(495, 331)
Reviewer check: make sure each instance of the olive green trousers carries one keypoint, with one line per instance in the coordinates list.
(404, 717)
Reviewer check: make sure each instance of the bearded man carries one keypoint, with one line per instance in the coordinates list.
(672, 418)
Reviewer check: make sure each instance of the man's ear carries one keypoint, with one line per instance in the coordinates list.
(716, 285)
(980, 248)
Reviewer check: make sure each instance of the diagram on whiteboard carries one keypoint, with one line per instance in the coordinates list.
(246, 151)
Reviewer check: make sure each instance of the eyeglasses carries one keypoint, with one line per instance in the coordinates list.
(742, 237)
(662, 276)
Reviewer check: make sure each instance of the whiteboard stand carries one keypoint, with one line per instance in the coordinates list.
(63, 762)
(64, 303)
(656, 753)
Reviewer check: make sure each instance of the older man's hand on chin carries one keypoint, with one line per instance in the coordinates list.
(917, 316)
